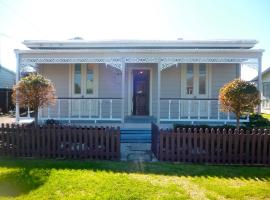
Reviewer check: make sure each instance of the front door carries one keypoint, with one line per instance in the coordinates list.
(141, 92)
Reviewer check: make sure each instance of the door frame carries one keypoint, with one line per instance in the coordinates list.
(130, 88)
(147, 84)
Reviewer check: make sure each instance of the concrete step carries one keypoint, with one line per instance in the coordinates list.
(135, 131)
(136, 146)
(135, 135)
(136, 151)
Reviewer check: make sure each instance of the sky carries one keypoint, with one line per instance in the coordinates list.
(139, 19)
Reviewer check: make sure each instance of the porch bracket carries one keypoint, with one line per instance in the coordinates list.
(115, 65)
(165, 65)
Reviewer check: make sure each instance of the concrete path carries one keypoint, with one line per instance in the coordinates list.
(7, 119)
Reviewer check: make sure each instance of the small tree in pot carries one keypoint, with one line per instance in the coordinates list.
(34, 91)
(239, 97)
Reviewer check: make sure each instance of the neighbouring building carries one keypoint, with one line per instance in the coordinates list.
(265, 90)
(7, 80)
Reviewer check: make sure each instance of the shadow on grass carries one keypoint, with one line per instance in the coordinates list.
(158, 168)
(22, 181)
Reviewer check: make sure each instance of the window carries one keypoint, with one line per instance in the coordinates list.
(195, 80)
(77, 79)
(89, 80)
(190, 77)
(84, 80)
(202, 79)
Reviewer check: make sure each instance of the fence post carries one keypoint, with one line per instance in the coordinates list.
(195, 145)
(259, 146)
(189, 135)
(184, 137)
(265, 140)
(253, 145)
(218, 149)
(241, 141)
(247, 147)
(161, 151)
(201, 150)
(213, 138)
(235, 146)
(230, 146)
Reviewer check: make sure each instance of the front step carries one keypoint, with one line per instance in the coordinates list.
(136, 144)
(132, 135)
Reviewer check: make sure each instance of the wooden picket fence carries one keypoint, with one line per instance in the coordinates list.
(212, 146)
(60, 142)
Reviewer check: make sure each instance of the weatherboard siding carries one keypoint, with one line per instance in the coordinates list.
(110, 85)
(222, 74)
(7, 78)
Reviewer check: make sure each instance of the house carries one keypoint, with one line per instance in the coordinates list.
(265, 90)
(131, 81)
(7, 80)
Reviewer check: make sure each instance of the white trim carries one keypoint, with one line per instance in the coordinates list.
(123, 87)
(260, 81)
(130, 88)
(70, 79)
(203, 120)
(139, 43)
(158, 91)
(17, 80)
(209, 79)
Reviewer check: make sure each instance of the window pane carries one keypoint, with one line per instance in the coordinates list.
(190, 76)
(77, 79)
(89, 80)
(202, 79)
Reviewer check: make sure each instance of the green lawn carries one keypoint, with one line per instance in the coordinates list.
(267, 116)
(47, 179)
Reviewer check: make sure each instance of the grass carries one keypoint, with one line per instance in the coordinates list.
(267, 116)
(50, 179)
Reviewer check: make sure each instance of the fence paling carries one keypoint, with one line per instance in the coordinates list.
(212, 146)
(60, 142)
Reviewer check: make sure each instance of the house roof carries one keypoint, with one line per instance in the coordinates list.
(263, 73)
(140, 44)
(7, 70)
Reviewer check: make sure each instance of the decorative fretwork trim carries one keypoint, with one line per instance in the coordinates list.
(141, 60)
(116, 62)
(203, 60)
(165, 65)
(115, 65)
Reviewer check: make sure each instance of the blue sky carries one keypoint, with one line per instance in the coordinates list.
(141, 19)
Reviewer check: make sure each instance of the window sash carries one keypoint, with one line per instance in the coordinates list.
(77, 79)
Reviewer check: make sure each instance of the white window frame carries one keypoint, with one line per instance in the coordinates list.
(196, 81)
(83, 80)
